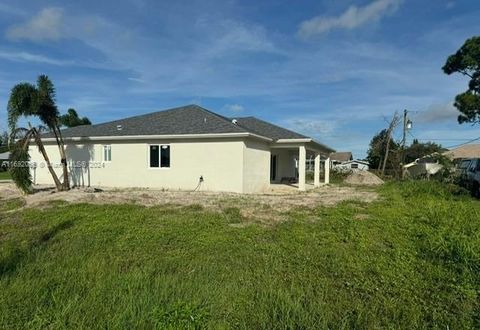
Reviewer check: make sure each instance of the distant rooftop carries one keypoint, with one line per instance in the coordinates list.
(342, 156)
(465, 151)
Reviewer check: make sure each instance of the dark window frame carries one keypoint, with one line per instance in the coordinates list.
(161, 157)
(165, 156)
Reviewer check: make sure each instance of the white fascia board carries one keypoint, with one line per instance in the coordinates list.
(160, 137)
(317, 146)
(293, 140)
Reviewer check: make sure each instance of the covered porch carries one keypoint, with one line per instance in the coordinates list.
(290, 160)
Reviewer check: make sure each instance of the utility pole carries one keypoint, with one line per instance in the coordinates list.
(391, 128)
(407, 124)
(404, 140)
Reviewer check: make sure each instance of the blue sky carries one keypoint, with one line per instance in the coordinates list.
(334, 70)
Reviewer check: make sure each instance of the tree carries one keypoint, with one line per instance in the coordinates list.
(418, 150)
(4, 138)
(19, 158)
(71, 119)
(19, 172)
(378, 146)
(467, 62)
(27, 100)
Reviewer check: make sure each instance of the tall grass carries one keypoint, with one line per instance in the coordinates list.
(409, 260)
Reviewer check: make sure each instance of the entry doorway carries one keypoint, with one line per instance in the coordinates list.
(273, 167)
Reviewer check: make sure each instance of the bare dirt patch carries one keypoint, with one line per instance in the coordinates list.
(265, 206)
(363, 178)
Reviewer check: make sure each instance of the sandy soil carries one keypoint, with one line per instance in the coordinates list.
(261, 205)
(363, 178)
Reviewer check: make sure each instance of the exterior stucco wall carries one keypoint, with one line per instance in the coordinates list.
(220, 162)
(256, 166)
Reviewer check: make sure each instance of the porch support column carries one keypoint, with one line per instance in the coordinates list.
(302, 158)
(327, 170)
(316, 175)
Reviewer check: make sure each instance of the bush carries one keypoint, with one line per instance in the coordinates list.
(337, 176)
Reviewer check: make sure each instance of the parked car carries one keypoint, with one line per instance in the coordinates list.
(461, 171)
(469, 175)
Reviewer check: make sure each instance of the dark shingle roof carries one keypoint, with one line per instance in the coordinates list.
(190, 119)
(341, 156)
(264, 128)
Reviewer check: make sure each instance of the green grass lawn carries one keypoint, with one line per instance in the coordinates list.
(5, 175)
(409, 260)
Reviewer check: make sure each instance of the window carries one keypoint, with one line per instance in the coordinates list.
(165, 156)
(160, 156)
(154, 156)
(354, 166)
(107, 153)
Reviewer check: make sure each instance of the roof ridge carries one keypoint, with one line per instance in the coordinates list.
(136, 116)
(163, 111)
(217, 115)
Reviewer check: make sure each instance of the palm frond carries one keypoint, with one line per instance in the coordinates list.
(18, 133)
(47, 110)
(45, 87)
(19, 169)
(22, 102)
(42, 129)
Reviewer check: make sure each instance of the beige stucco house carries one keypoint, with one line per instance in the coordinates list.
(185, 148)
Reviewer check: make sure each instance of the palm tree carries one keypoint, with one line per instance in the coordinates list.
(19, 153)
(28, 100)
(71, 119)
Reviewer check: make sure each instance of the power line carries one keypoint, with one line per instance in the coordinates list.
(467, 141)
(461, 144)
(449, 147)
(445, 139)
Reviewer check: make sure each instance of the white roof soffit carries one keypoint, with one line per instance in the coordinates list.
(318, 146)
(160, 137)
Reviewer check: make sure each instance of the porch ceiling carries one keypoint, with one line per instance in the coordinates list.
(309, 144)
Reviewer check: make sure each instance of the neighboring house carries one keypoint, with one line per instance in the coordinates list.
(4, 160)
(423, 167)
(185, 148)
(428, 165)
(462, 152)
(356, 165)
(337, 158)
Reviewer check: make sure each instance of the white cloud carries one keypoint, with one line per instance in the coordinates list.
(352, 18)
(28, 57)
(229, 35)
(136, 79)
(234, 108)
(312, 126)
(46, 25)
(437, 113)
